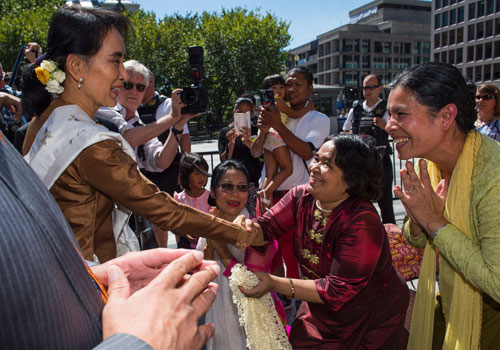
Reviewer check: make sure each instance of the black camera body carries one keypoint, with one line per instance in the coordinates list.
(195, 97)
(266, 97)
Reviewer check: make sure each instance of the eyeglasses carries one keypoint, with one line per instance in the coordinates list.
(229, 187)
(129, 86)
(484, 97)
(371, 87)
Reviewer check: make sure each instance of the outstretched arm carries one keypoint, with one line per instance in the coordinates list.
(301, 289)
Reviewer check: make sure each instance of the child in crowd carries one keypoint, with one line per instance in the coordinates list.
(277, 158)
(193, 174)
(229, 189)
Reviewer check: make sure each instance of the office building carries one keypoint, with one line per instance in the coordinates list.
(383, 37)
(466, 33)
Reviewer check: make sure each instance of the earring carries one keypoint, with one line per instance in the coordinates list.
(80, 82)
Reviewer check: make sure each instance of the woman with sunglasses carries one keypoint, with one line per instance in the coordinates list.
(488, 110)
(91, 172)
(352, 296)
(229, 189)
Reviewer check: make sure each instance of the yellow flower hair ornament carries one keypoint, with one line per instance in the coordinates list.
(51, 76)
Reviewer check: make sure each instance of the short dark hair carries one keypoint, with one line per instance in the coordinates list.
(190, 162)
(361, 165)
(374, 76)
(306, 73)
(436, 84)
(494, 91)
(270, 80)
(250, 96)
(243, 100)
(221, 169)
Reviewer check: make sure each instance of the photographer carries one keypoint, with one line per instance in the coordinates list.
(155, 106)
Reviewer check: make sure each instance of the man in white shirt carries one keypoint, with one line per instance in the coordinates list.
(369, 119)
(302, 135)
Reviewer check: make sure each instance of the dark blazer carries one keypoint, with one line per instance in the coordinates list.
(47, 298)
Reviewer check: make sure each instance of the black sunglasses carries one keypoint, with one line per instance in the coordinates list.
(229, 187)
(129, 86)
(484, 97)
(370, 87)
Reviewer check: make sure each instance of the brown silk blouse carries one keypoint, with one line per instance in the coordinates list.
(104, 174)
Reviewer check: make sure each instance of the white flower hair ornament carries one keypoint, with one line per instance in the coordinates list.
(51, 76)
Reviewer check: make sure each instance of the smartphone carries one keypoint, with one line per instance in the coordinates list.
(241, 123)
(266, 97)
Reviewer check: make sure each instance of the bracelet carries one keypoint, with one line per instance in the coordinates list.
(176, 131)
(433, 234)
(292, 287)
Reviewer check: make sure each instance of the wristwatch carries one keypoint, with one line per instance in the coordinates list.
(176, 131)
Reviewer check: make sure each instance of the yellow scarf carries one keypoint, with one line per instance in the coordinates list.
(462, 302)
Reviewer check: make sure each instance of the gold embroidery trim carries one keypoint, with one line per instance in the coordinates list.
(316, 236)
(313, 258)
(310, 271)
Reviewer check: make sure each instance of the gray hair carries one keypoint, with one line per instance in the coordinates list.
(136, 67)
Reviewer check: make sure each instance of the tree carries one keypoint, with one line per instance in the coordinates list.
(21, 22)
(241, 46)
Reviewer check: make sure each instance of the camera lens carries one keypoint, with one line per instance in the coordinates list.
(189, 96)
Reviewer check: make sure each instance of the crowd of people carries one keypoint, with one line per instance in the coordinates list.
(288, 201)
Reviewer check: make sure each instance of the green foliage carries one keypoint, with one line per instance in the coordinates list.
(22, 22)
(241, 46)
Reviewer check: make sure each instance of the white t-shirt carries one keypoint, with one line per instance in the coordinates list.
(348, 123)
(313, 127)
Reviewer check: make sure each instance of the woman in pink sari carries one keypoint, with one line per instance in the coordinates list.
(229, 189)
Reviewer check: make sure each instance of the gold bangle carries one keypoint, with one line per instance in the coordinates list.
(292, 287)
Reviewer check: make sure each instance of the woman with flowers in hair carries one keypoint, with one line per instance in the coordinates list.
(90, 171)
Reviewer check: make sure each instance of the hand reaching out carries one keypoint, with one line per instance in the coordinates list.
(32, 52)
(166, 311)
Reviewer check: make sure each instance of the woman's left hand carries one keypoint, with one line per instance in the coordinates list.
(266, 283)
(424, 205)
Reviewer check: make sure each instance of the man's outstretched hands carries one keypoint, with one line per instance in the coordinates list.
(152, 296)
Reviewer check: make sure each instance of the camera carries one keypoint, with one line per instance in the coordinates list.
(195, 97)
(266, 97)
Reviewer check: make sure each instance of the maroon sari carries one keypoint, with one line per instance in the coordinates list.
(364, 300)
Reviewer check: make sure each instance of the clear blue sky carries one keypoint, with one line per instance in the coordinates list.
(307, 18)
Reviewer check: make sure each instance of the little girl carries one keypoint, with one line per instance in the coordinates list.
(193, 174)
(277, 158)
(229, 189)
